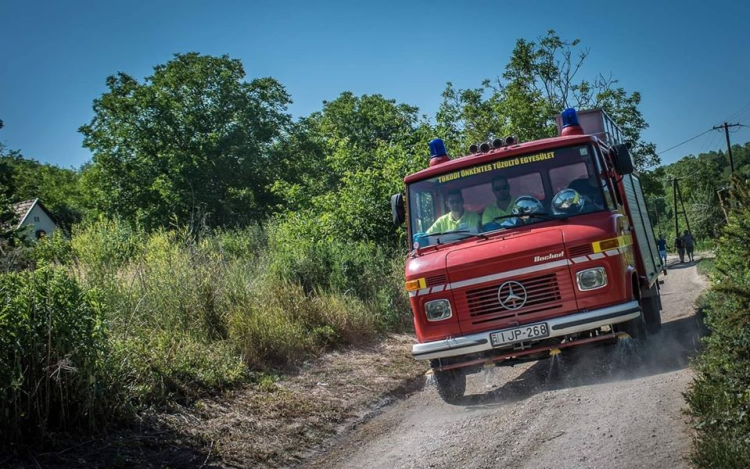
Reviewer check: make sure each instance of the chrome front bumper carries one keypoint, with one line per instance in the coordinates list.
(558, 327)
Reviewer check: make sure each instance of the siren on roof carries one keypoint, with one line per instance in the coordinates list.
(438, 154)
(570, 125)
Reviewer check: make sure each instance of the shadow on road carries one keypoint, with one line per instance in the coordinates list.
(669, 350)
(148, 445)
(681, 265)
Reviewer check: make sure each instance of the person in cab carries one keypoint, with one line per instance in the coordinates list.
(457, 219)
(503, 202)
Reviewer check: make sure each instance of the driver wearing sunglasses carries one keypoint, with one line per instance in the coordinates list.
(503, 203)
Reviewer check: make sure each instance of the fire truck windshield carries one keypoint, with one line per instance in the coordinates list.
(506, 193)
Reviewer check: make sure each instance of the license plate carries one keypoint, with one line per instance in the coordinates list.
(519, 334)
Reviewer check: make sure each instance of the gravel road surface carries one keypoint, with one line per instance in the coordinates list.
(615, 407)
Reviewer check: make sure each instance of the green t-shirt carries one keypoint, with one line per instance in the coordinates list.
(492, 211)
(446, 223)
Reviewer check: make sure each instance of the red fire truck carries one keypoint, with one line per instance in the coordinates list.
(521, 250)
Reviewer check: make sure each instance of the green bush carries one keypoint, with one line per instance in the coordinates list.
(706, 266)
(299, 253)
(282, 324)
(244, 244)
(156, 318)
(104, 245)
(161, 368)
(55, 249)
(51, 345)
(720, 396)
(276, 295)
(705, 245)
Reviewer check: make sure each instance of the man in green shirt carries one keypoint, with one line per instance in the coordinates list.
(457, 219)
(502, 206)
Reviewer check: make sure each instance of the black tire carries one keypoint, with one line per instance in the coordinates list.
(635, 328)
(451, 384)
(651, 314)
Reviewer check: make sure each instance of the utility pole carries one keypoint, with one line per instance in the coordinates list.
(682, 203)
(676, 213)
(675, 191)
(723, 207)
(726, 127)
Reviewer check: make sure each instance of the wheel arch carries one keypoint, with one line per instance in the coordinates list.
(634, 284)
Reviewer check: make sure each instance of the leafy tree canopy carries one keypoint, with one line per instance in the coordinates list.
(353, 154)
(191, 141)
(542, 78)
(700, 178)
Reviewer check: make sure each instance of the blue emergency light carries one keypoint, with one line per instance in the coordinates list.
(569, 117)
(437, 148)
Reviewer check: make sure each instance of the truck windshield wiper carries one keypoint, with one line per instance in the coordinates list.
(547, 216)
(474, 235)
(445, 233)
(467, 234)
(543, 215)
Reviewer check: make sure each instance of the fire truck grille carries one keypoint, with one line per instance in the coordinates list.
(541, 292)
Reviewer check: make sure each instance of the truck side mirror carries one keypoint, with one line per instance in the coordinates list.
(622, 160)
(398, 209)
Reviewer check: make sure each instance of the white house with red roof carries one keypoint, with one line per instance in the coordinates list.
(32, 213)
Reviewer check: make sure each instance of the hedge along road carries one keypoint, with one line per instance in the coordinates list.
(606, 410)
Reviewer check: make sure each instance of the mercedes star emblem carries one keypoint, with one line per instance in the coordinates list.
(512, 295)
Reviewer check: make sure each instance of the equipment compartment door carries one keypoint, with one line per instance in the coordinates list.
(644, 232)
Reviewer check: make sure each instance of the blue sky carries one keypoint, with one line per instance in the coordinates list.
(689, 59)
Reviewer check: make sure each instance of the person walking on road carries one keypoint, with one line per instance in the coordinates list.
(689, 242)
(680, 246)
(661, 245)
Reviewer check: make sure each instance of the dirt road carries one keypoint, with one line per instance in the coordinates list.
(602, 414)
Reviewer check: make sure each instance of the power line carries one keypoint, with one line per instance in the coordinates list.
(726, 127)
(686, 141)
(742, 109)
(708, 143)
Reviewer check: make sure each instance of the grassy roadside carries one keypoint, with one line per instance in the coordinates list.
(273, 423)
(707, 266)
(118, 326)
(719, 398)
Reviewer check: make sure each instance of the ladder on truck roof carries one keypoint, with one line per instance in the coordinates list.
(596, 122)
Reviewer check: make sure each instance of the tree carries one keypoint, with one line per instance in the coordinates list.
(351, 157)
(23, 179)
(191, 141)
(700, 178)
(540, 80)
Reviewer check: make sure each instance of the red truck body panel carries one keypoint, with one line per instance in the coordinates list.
(543, 257)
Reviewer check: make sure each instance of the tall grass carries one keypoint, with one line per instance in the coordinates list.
(52, 342)
(276, 296)
(133, 319)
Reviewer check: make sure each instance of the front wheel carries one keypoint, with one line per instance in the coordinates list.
(635, 328)
(451, 384)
